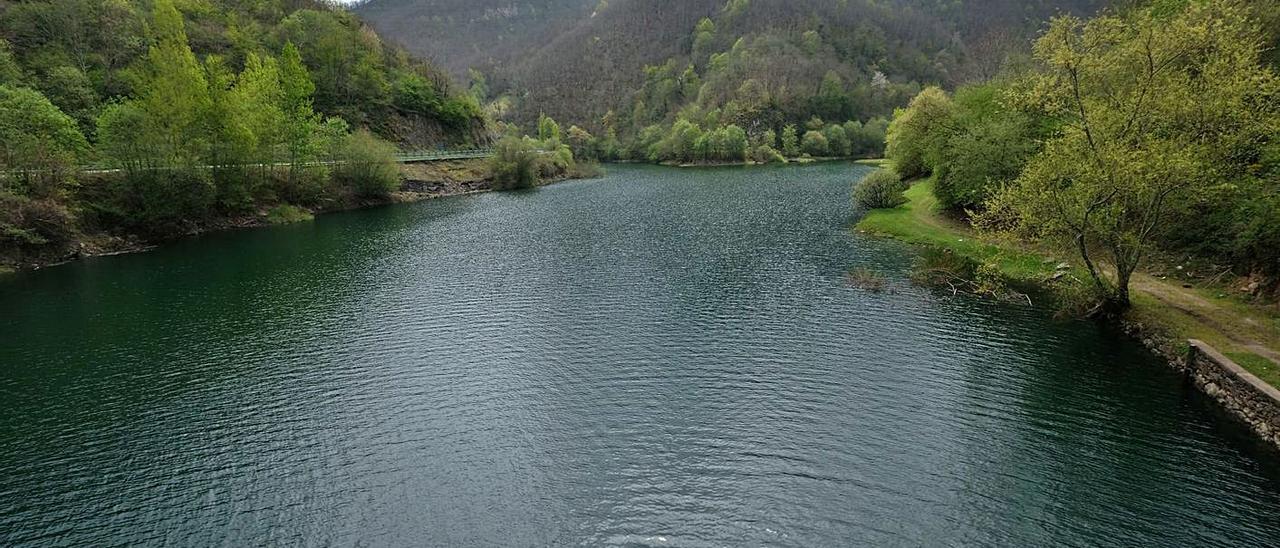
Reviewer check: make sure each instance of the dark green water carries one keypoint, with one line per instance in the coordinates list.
(664, 357)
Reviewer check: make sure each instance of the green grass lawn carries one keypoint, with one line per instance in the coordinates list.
(1165, 308)
(1263, 368)
(918, 222)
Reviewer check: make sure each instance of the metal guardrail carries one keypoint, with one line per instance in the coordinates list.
(440, 155)
(401, 157)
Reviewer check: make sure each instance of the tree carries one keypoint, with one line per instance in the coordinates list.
(515, 163)
(39, 144)
(837, 140)
(815, 144)
(174, 95)
(300, 121)
(918, 133)
(259, 102)
(734, 142)
(582, 143)
(1154, 109)
(548, 129)
(987, 150)
(790, 141)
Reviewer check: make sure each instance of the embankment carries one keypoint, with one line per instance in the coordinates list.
(1182, 324)
(1240, 392)
(422, 181)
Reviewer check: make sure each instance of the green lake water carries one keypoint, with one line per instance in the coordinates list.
(662, 357)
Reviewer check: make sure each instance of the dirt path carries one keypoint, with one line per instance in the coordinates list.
(1236, 323)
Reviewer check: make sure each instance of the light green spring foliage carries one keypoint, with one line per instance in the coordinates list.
(814, 143)
(1154, 111)
(366, 164)
(790, 141)
(918, 132)
(37, 141)
(173, 92)
(880, 189)
(524, 162)
(972, 144)
(987, 146)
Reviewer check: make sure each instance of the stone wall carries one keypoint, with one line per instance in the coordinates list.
(1242, 394)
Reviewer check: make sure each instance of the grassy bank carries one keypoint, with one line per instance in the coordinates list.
(1165, 314)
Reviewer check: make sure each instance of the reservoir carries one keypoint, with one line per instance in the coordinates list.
(661, 357)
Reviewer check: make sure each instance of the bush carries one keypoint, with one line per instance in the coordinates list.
(882, 189)
(766, 154)
(515, 163)
(815, 144)
(286, 214)
(366, 165)
(25, 222)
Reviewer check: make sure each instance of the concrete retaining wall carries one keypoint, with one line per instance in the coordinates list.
(1239, 391)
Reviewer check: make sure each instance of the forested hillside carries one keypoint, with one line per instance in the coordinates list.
(83, 53)
(632, 69)
(1148, 133)
(131, 120)
(475, 34)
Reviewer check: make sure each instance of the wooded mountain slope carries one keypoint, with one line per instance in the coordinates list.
(83, 53)
(576, 60)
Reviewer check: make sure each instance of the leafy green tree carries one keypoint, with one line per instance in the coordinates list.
(734, 143)
(70, 88)
(918, 133)
(986, 149)
(811, 41)
(173, 93)
(259, 99)
(232, 140)
(479, 87)
(815, 144)
(837, 140)
(582, 143)
(704, 36)
(39, 144)
(680, 143)
(516, 163)
(1154, 109)
(548, 129)
(867, 139)
(790, 141)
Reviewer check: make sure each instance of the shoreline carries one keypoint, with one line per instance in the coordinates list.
(421, 182)
(1175, 322)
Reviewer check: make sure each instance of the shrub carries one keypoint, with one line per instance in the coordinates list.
(286, 214)
(515, 163)
(766, 154)
(367, 165)
(881, 189)
(815, 144)
(25, 222)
